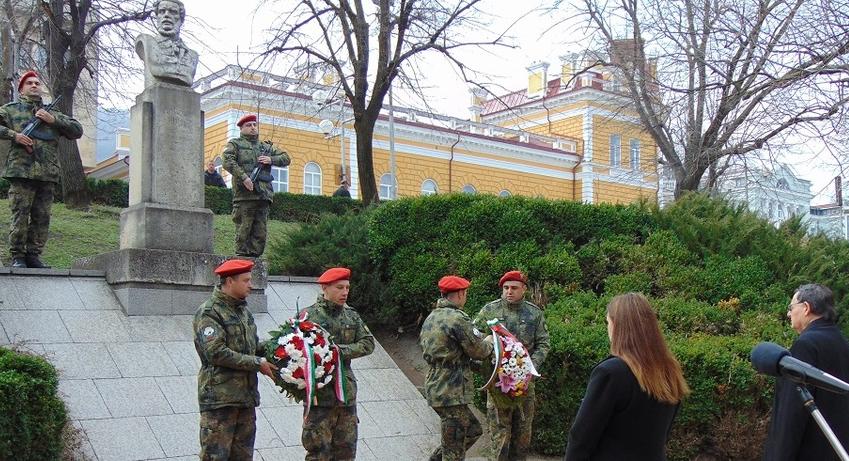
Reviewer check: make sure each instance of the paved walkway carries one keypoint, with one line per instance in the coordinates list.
(130, 383)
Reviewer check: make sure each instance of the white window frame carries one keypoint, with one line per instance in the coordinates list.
(387, 190)
(278, 184)
(504, 193)
(634, 149)
(312, 179)
(433, 191)
(466, 190)
(615, 150)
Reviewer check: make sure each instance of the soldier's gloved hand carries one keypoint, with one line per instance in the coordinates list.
(267, 368)
(249, 185)
(264, 159)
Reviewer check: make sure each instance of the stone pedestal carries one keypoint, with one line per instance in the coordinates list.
(163, 282)
(165, 264)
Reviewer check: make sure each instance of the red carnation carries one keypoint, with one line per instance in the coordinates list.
(307, 325)
(298, 342)
(280, 353)
(328, 367)
(319, 341)
(299, 373)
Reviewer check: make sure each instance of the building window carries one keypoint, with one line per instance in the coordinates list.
(280, 183)
(635, 154)
(615, 150)
(504, 193)
(429, 187)
(388, 187)
(469, 189)
(312, 179)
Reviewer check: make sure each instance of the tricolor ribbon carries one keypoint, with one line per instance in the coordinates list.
(309, 377)
(339, 385)
(499, 331)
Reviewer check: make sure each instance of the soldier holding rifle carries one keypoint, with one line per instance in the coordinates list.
(250, 161)
(32, 167)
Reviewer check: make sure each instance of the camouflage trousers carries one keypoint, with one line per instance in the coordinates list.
(251, 219)
(460, 430)
(30, 202)
(227, 434)
(510, 429)
(330, 434)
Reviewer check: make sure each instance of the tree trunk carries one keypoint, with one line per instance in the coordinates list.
(365, 159)
(74, 188)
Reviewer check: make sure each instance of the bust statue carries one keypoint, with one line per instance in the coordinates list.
(166, 58)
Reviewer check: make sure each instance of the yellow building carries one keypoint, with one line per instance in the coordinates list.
(562, 143)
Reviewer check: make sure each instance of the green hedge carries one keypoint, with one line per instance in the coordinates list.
(719, 277)
(32, 416)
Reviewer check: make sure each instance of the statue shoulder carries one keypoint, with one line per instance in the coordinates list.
(141, 43)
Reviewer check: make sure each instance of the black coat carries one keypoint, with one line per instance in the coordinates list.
(617, 420)
(213, 179)
(793, 434)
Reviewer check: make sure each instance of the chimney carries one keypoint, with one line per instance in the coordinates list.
(567, 70)
(478, 96)
(537, 79)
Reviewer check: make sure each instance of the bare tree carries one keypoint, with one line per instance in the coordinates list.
(341, 34)
(726, 77)
(71, 33)
(21, 18)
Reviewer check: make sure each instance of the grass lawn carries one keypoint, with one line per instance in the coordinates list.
(74, 233)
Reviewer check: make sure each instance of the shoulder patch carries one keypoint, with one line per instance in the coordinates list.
(208, 332)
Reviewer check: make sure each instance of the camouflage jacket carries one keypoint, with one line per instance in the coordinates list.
(349, 332)
(525, 320)
(229, 350)
(43, 163)
(448, 344)
(240, 158)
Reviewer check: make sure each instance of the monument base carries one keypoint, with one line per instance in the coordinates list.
(165, 227)
(168, 282)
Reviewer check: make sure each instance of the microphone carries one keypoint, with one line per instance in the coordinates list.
(774, 360)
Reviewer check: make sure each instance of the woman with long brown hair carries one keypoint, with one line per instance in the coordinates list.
(633, 395)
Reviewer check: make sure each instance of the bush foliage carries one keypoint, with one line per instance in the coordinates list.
(718, 276)
(32, 415)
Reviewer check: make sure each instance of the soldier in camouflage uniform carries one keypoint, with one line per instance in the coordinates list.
(32, 168)
(251, 202)
(230, 355)
(330, 430)
(510, 428)
(449, 343)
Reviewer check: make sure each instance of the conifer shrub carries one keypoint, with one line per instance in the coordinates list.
(32, 416)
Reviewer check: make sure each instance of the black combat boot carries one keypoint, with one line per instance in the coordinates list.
(19, 263)
(35, 263)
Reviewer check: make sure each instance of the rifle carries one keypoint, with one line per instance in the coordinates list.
(262, 172)
(35, 123)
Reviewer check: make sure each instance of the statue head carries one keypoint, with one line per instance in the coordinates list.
(170, 15)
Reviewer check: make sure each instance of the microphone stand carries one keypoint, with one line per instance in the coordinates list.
(811, 406)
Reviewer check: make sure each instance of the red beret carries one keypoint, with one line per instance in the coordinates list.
(234, 267)
(246, 119)
(513, 276)
(452, 283)
(27, 74)
(333, 274)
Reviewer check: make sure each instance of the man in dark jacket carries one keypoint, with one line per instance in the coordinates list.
(230, 355)
(32, 168)
(211, 176)
(793, 434)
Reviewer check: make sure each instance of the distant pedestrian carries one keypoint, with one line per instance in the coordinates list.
(633, 395)
(211, 176)
(343, 191)
(231, 355)
(32, 168)
(449, 344)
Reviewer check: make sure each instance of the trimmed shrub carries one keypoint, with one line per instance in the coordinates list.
(309, 208)
(109, 192)
(31, 414)
(218, 199)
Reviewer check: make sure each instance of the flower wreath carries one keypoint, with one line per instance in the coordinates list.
(307, 360)
(513, 369)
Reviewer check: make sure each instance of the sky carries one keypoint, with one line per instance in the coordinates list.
(231, 32)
